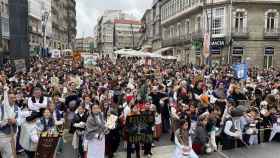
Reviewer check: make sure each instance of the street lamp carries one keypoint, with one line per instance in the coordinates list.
(45, 18)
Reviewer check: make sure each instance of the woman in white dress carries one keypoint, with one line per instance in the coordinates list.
(95, 133)
(183, 142)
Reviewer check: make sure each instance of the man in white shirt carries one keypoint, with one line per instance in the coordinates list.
(8, 124)
(37, 101)
(230, 133)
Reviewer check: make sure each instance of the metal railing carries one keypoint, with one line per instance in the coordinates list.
(271, 32)
(177, 40)
(240, 32)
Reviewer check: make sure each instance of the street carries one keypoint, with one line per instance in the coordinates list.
(165, 149)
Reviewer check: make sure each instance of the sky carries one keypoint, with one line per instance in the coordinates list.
(89, 10)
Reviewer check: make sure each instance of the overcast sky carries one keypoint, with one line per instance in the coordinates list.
(89, 10)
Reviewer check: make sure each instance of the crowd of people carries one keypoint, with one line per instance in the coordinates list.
(203, 110)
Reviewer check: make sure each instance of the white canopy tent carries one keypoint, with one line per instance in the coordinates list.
(131, 52)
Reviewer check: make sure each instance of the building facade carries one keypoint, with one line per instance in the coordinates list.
(105, 31)
(4, 23)
(146, 38)
(4, 28)
(37, 9)
(63, 24)
(242, 31)
(127, 34)
(85, 45)
(156, 25)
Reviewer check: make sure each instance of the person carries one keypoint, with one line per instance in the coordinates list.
(148, 143)
(46, 123)
(183, 142)
(129, 129)
(201, 138)
(248, 124)
(230, 133)
(29, 137)
(8, 126)
(95, 133)
(58, 116)
(78, 127)
(18, 116)
(37, 102)
(275, 123)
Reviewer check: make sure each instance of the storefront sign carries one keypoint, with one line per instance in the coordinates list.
(20, 65)
(217, 43)
(139, 128)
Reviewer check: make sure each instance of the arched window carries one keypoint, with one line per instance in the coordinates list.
(187, 27)
(240, 20)
(271, 20)
(178, 29)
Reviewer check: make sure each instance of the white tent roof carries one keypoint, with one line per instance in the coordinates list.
(131, 52)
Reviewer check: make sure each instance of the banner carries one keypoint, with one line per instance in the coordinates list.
(139, 128)
(241, 71)
(47, 146)
(20, 65)
(90, 60)
(206, 44)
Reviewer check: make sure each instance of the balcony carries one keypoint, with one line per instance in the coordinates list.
(176, 41)
(271, 33)
(197, 35)
(240, 32)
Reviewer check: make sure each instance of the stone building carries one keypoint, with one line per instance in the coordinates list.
(4, 25)
(85, 45)
(4, 28)
(107, 31)
(126, 34)
(36, 10)
(63, 24)
(242, 31)
(156, 25)
(145, 40)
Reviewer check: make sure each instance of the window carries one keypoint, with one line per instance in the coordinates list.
(187, 31)
(198, 24)
(239, 21)
(178, 30)
(270, 21)
(217, 20)
(171, 31)
(237, 53)
(268, 57)
(183, 28)
(175, 31)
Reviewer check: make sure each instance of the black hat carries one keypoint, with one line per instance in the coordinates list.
(34, 115)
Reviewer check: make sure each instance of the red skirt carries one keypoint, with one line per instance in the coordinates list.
(198, 148)
(158, 131)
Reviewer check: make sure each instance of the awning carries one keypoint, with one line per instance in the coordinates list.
(162, 50)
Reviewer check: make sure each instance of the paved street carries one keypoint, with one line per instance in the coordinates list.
(162, 150)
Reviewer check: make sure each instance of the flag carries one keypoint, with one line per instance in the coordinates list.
(241, 71)
(206, 44)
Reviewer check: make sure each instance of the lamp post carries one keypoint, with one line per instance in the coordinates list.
(45, 18)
